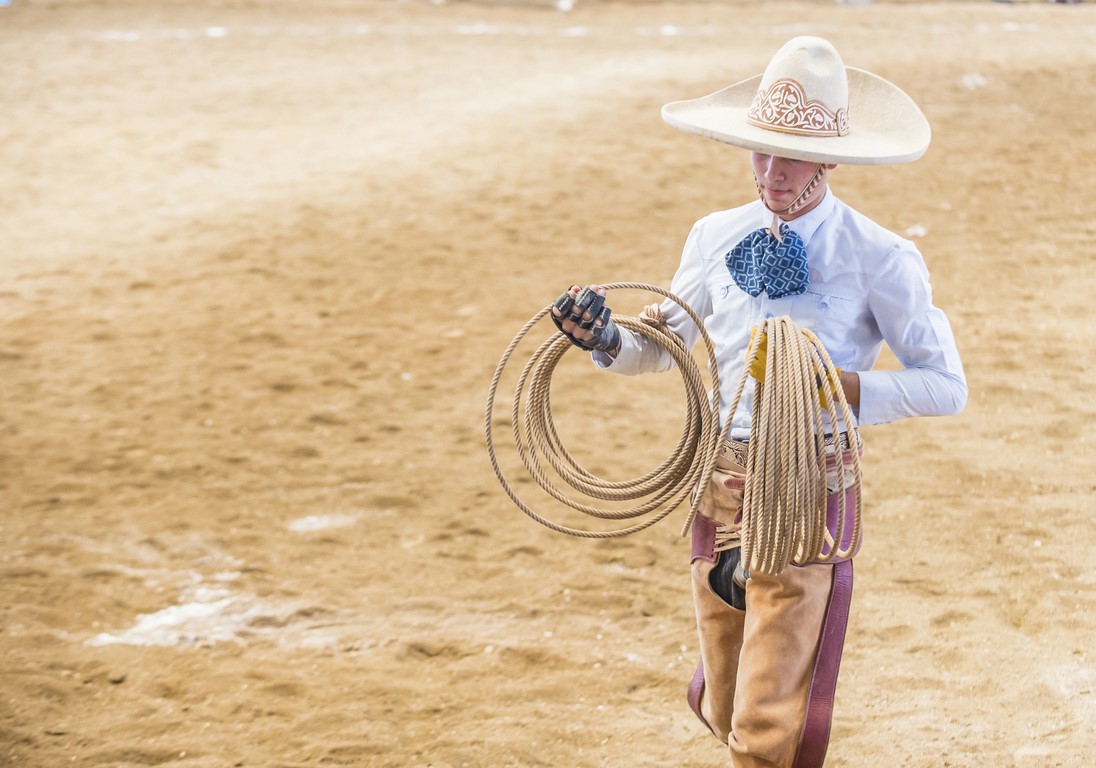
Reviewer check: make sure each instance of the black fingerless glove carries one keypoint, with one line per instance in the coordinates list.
(606, 334)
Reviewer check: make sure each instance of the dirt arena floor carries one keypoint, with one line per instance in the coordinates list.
(258, 261)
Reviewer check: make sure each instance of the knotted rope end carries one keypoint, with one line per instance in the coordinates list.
(652, 316)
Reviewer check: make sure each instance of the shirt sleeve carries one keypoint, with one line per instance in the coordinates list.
(640, 354)
(931, 381)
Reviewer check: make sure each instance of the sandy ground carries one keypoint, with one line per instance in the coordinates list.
(258, 261)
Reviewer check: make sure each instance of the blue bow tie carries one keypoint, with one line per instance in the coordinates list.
(763, 263)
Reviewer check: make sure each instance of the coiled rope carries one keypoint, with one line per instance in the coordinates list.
(656, 493)
(785, 500)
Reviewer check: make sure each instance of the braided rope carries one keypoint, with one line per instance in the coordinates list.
(656, 493)
(785, 500)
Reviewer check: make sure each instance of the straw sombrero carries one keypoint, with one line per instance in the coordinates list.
(809, 106)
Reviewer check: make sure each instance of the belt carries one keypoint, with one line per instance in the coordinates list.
(738, 450)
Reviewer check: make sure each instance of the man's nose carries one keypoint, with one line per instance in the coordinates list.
(774, 168)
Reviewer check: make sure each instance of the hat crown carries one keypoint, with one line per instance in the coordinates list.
(804, 91)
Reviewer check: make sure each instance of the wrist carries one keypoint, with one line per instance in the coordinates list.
(850, 383)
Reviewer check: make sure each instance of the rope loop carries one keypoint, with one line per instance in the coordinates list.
(656, 493)
(784, 512)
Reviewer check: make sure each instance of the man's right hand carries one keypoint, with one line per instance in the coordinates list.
(581, 315)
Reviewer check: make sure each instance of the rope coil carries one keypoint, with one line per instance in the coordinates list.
(785, 500)
(656, 493)
(784, 509)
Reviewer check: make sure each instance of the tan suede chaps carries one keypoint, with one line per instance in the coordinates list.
(766, 678)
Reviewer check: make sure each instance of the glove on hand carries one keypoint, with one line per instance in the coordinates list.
(757, 367)
(587, 312)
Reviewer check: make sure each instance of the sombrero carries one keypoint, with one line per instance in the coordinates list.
(809, 106)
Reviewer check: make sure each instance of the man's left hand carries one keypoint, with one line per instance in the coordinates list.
(757, 367)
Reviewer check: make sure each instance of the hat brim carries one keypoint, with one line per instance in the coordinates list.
(885, 125)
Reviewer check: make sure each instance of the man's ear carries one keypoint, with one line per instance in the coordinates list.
(830, 166)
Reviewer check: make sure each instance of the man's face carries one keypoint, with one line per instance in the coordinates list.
(780, 181)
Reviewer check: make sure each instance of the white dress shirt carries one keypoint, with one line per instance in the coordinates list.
(867, 286)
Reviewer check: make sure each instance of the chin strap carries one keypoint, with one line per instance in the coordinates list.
(799, 201)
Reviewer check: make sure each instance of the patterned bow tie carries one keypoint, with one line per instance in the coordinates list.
(763, 263)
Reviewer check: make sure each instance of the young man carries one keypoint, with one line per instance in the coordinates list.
(770, 646)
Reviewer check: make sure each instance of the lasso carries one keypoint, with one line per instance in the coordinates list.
(784, 517)
(784, 507)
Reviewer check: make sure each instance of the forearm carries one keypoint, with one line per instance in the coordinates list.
(636, 354)
(892, 395)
